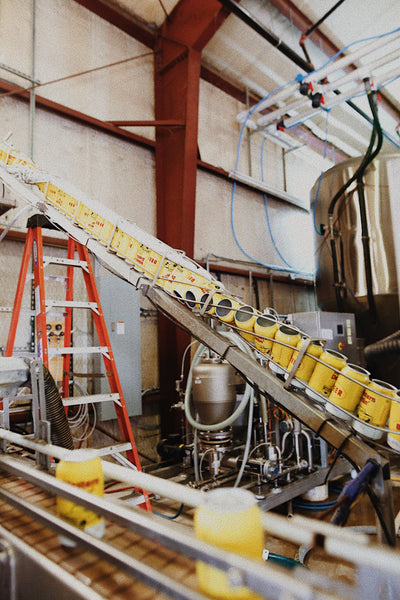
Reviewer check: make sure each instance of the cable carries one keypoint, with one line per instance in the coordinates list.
(266, 209)
(171, 517)
(248, 440)
(268, 266)
(66, 77)
(316, 229)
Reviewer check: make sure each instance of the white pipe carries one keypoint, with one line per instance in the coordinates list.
(279, 112)
(357, 76)
(378, 83)
(363, 71)
(138, 479)
(320, 74)
(269, 101)
(345, 61)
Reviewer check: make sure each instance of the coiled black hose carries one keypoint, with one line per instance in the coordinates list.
(388, 345)
(55, 413)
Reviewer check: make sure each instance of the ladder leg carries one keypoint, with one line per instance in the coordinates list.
(67, 359)
(40, 301)
(109, 363)
(19, 293)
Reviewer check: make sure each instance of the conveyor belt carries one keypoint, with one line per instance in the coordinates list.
(97, 574)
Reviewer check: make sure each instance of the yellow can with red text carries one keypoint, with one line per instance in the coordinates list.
(347, 391)
(286, 340)
(374, 408)
(324, 376)
(87, 475)
(307, 364)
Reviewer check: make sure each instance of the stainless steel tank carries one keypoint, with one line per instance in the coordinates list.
(382, 195)
(213, 390)
(382, 203)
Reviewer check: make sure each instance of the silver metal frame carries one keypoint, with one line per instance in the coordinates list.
(335, 433)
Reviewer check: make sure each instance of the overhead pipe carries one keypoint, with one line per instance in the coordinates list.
(270, 37)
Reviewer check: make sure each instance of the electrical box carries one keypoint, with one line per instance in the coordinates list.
(121, 308)
(338, 329)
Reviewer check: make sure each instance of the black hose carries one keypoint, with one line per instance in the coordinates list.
(55, 413)
(363, 213)
(390, 345)
(323, 18)
(363, 164)
(358, 175)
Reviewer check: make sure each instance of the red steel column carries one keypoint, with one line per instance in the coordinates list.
(177, 82)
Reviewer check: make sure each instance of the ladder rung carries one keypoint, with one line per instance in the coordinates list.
(75, 400)
(79, 350)
(68, 262)
(70, 304)
(114, 449)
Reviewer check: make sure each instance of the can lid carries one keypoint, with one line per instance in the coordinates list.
(266, 321)
(229, 500)
(358, 369)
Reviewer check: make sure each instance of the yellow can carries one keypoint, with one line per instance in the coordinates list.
(120, 242)
(226, 309)
(211, 303)
(286, 340)
(82, 214)
(374, 408)
(166, 272)
(307, 364)
(51, 194)
(131, 250)
(59, 199)
(346, 393)
(229, 519)
(174, 278)
(265, 326)
(393, 439)
(88, 476)
(324, 377)
(245, 319)
(91, 222)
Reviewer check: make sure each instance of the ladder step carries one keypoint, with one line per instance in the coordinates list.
(78, 400)
(115, 449)
(79, 350)
(70, 304)
(68, 262)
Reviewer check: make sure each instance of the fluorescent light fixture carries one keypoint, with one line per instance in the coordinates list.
(267, 189)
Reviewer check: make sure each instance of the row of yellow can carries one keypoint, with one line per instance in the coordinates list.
(324, 374)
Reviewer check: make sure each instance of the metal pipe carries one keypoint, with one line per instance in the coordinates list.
(322, 19)
(32, 104)
(247, 18)
(257, 26)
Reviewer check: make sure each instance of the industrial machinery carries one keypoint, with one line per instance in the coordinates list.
(263, 401)
(361, 275)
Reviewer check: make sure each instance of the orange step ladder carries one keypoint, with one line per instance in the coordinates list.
(34, 247)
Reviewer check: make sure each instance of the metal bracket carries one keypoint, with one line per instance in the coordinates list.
(7, 571)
